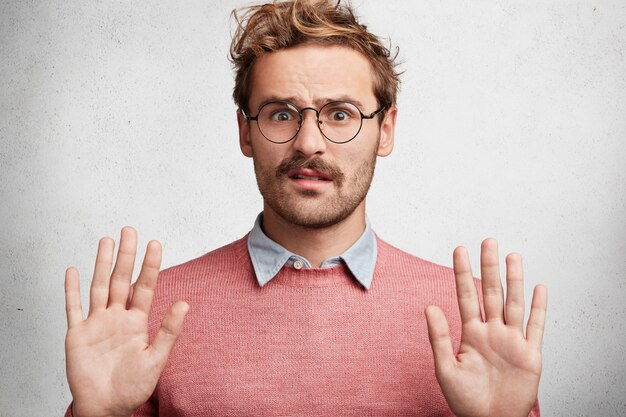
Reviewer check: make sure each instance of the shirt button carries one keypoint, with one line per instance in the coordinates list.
(298, 264)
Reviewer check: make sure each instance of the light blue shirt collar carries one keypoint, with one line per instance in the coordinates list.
(268, 257)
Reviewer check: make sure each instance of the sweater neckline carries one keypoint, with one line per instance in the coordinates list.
(335, 276)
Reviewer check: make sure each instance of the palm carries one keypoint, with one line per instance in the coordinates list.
(496, 370)
(111, 367)
(115, 347)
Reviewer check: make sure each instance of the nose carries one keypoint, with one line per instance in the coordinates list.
(309, 140)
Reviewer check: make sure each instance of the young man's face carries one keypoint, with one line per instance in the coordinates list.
(310, 181)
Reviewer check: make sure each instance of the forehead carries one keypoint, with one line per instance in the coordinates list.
(312, 74)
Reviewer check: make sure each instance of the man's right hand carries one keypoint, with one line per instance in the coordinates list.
(111, 367)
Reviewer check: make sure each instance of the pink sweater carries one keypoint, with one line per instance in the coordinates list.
(312, 342)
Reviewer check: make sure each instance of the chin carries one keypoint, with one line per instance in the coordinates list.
(318, 215)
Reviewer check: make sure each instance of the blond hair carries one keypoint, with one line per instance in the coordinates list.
(280, 25)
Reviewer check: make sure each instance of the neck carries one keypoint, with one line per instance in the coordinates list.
(319, 244)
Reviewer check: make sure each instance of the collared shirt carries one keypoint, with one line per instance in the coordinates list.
(268, 257)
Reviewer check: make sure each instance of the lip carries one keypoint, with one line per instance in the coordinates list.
(309, 184)
(309, 173)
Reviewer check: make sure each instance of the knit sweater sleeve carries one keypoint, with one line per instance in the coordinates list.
(149, 410)
(146, 410)
(535, 411)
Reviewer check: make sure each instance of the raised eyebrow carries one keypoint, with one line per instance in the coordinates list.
(352, 100)
(291, 100)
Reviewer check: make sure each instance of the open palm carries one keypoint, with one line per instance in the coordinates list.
(111, 366)
(497, 368)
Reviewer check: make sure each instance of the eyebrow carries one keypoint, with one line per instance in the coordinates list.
(295, 100)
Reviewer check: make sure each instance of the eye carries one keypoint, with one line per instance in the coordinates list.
(282, 116)
(339, 115)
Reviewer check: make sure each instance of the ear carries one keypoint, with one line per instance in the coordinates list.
(244, 135)
(387, 129)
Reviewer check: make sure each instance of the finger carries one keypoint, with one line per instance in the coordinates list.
(440, 340)
(143, 291)
(469, 307)
(493, 295)
(537, 319)
(515, 292)
(73, 308)
(99, 293)
(123, 270)
(169, 331)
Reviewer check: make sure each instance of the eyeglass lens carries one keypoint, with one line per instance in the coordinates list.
(338, 121)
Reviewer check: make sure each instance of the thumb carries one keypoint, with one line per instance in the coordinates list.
(439, 336)
(170, 330)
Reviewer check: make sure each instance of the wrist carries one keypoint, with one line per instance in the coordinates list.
(74, 414)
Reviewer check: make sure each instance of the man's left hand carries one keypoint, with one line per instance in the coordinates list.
(497, 368)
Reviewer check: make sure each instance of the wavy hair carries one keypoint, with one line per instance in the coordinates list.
(280, 25)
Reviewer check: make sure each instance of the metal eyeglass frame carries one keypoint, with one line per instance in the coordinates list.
(317, 116)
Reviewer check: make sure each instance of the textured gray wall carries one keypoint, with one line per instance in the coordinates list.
(511, 125)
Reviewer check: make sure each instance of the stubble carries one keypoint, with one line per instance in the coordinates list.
(310, 208)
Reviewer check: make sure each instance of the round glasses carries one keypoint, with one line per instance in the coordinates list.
(339, 121)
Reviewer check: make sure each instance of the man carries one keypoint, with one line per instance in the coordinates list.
(310, 313)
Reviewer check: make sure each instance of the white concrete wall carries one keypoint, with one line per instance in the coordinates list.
(511, 124)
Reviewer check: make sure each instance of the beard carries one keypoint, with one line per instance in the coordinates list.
(309, 208)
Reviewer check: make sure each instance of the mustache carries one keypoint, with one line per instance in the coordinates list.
(317, 164)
